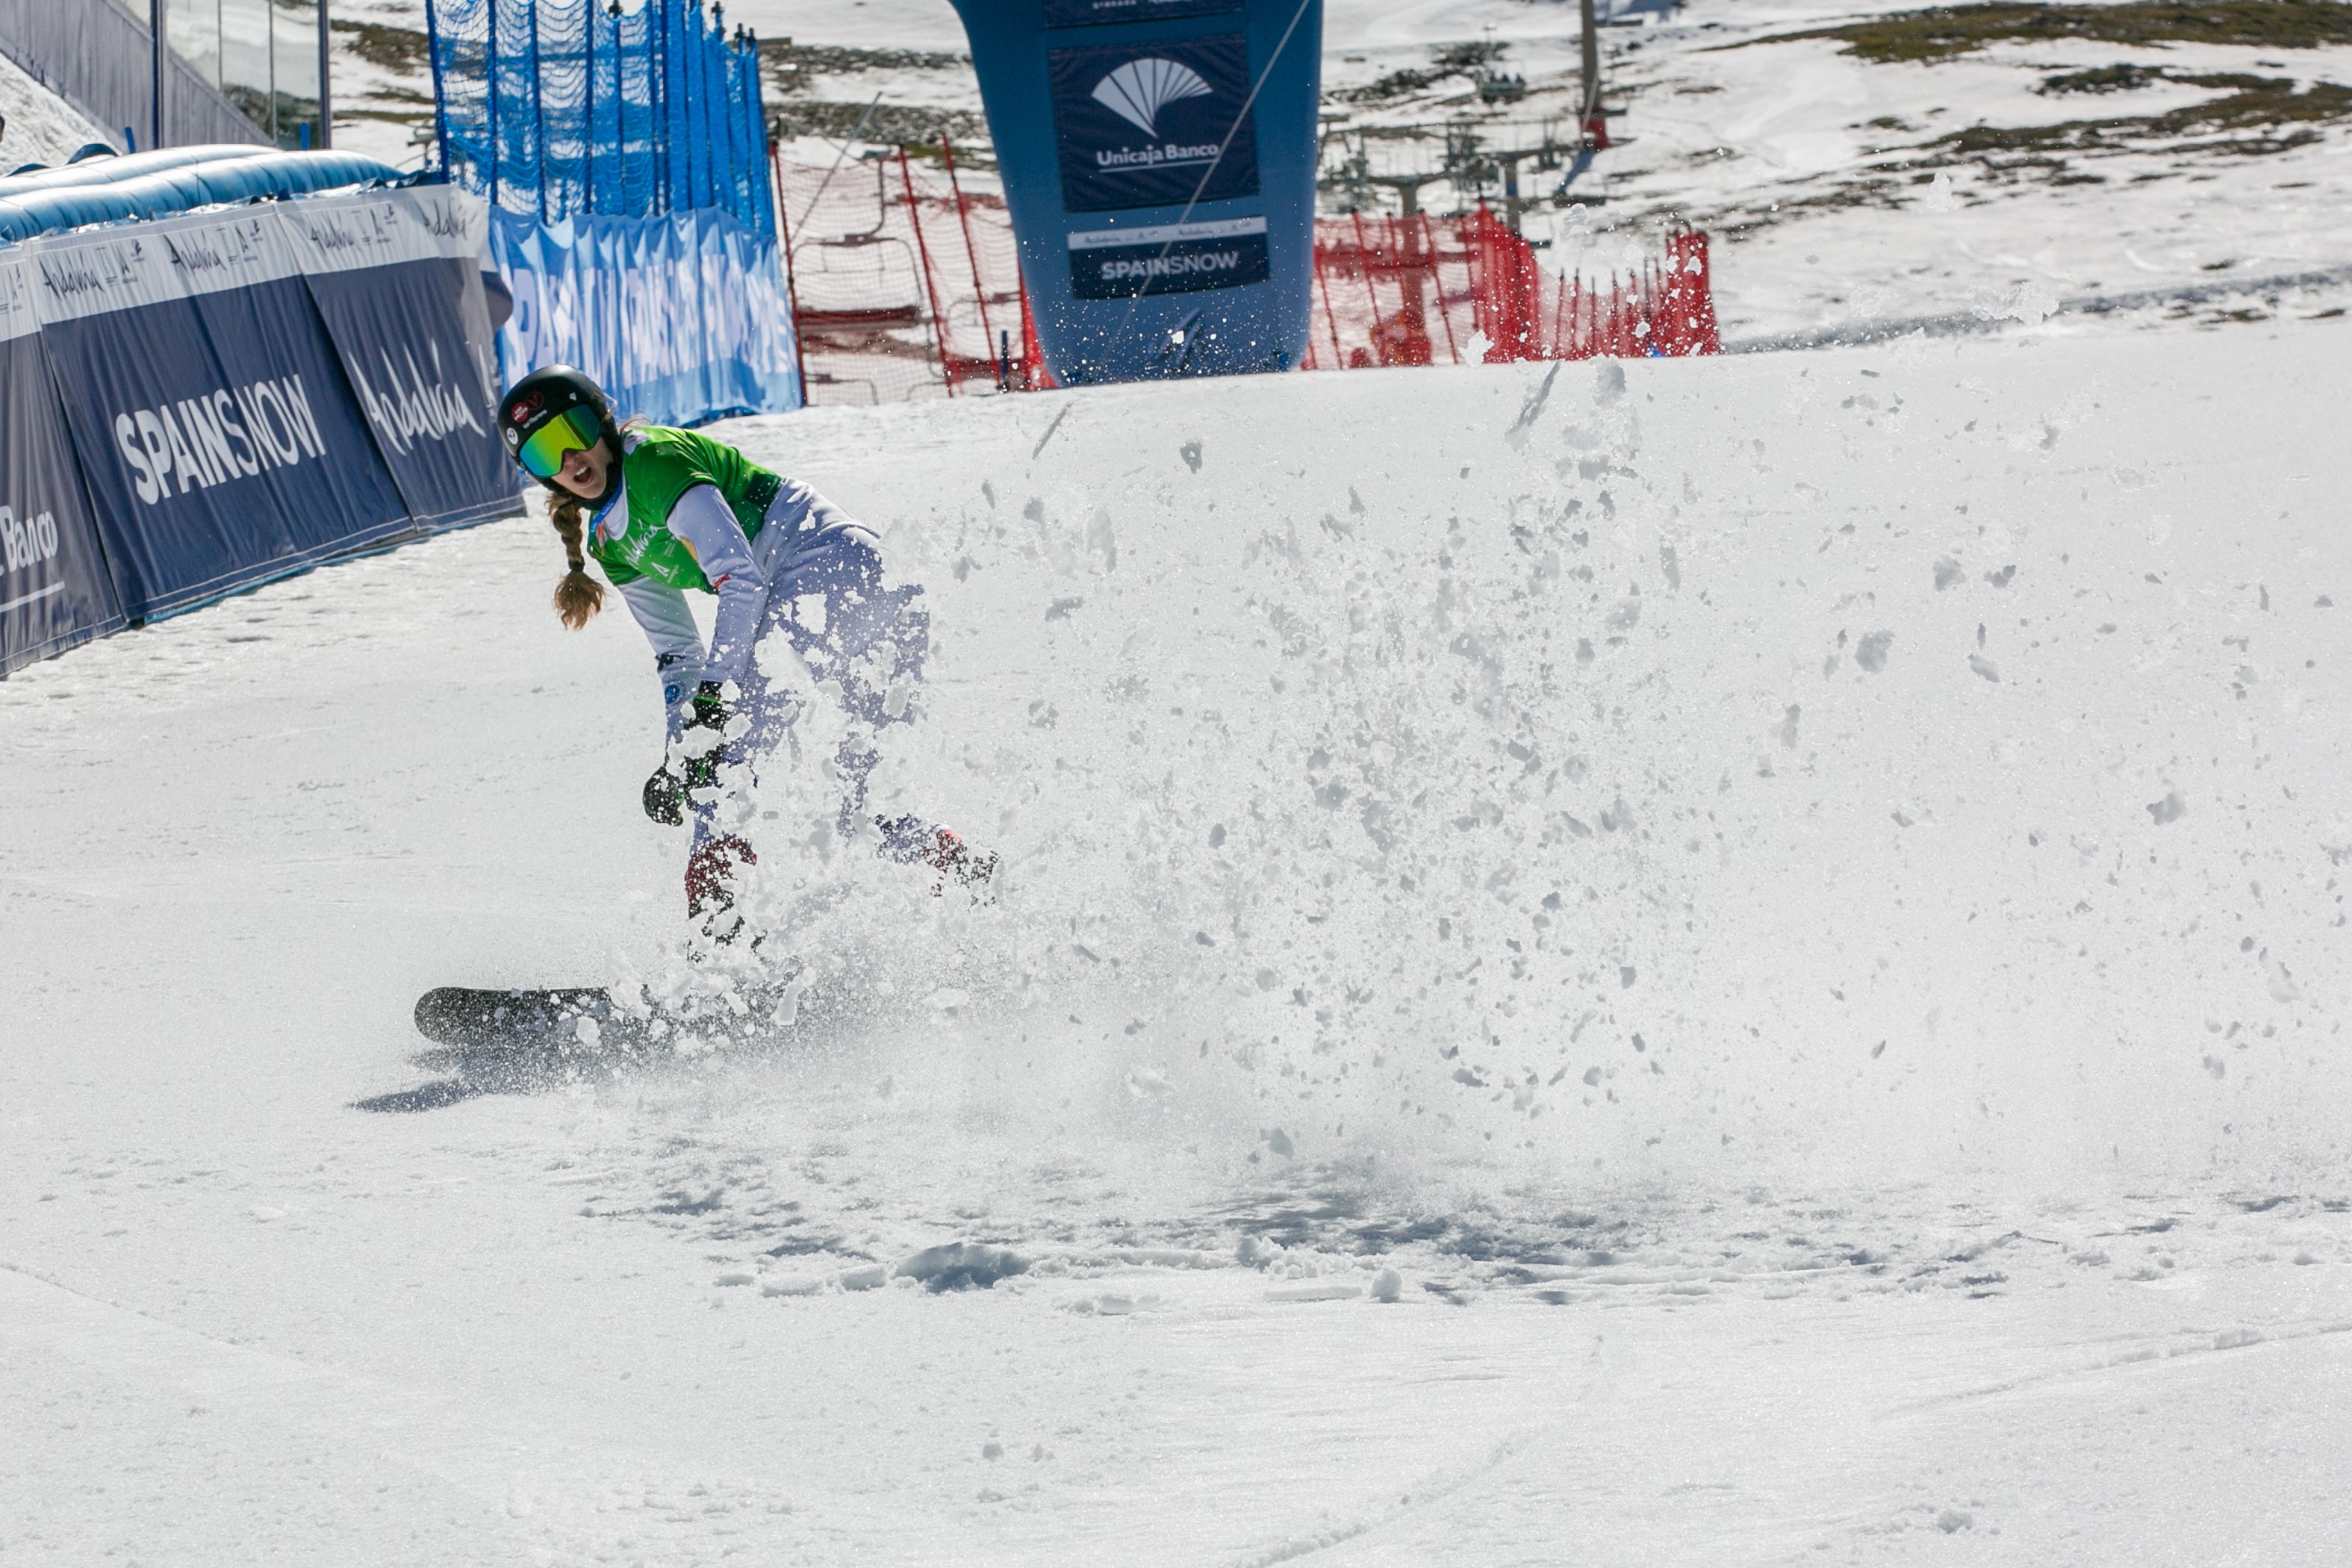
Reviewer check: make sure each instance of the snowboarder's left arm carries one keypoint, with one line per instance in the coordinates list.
(661, 611)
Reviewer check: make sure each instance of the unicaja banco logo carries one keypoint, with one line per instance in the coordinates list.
(1138, 90)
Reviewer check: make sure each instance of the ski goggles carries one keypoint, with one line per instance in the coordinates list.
(542, 451)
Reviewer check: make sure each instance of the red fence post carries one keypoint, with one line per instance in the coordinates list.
(1323, 287)
(1371, 295)
(1690, 294)
(930, 287)
(971, 251)
(1437, 286)
(1034, 376)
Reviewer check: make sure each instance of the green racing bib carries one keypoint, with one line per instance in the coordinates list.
(631, 538)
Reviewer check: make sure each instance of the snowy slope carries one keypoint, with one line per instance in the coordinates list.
(42, 128)
(1915, 1134)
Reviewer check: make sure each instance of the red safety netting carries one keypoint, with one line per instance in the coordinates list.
(1419, 290)
(905, 284)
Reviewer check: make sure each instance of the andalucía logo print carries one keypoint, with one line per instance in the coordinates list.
(1151, 124)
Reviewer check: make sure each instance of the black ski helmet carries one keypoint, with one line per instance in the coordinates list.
(536, 401)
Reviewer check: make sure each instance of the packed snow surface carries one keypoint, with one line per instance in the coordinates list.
(1712, 962)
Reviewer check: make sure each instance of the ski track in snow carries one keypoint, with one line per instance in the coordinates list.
(1788, 909)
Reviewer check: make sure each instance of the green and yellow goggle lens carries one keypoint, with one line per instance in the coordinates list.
(542, 451)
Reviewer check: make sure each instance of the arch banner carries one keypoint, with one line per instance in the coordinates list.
(1158, 162)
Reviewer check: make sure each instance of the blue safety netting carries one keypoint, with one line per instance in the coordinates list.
(560, 108)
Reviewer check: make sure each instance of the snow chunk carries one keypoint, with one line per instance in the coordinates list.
(961, 1266)
(1315, 1290)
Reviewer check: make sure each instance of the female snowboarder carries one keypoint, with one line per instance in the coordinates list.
(666, 512)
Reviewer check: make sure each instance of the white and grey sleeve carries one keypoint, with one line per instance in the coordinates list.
(701, 518)
(661, 610)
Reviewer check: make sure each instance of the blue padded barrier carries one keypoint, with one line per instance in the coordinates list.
(178, 190)
(128, 166)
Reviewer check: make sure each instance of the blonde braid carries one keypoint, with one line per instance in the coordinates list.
(579, 596)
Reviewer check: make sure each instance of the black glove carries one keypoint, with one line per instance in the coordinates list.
(665, 797)
(709, 708)
(666, 792)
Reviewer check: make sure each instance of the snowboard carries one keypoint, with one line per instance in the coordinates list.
(584, 1022)
(556, 1018)
(524, 1040)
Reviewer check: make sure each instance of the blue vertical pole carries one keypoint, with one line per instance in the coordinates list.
(689, 102)
(662, 144)
(588, 161)
(440, 116)
(538, 113)
(161, 62)
(490, 94)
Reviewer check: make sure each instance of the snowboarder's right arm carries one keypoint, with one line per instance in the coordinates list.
(669, 626)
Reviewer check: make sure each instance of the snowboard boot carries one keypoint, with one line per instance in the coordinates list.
(973, 870)
(709, 887)
(909, 840)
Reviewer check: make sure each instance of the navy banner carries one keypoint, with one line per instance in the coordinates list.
(390, 275)
(1097, 12)
(218, 438)
(1168, 258)
(1159, 123)
(54, 591)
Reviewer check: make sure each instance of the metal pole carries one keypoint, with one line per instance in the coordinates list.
(792, 284)
(163, 56)
(326, 136)
(440, 116)
(1592, 121)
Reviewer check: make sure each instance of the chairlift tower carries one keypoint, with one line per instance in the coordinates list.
(1355, 181)
(1591, 119)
